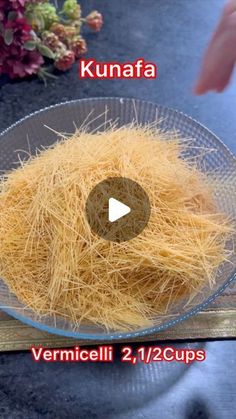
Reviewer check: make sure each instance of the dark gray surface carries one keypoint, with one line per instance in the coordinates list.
(155, 391)
(173, 33)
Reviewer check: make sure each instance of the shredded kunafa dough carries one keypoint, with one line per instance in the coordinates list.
(56, 265)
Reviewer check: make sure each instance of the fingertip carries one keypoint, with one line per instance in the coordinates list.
(220, 89)
(229, 7)
(198, 90)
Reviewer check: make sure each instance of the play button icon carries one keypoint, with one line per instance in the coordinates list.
(117, 209)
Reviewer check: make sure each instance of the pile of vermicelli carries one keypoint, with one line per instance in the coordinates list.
(56, 265)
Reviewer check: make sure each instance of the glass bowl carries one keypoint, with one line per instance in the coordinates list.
(31, 133)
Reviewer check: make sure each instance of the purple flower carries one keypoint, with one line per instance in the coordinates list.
(21, 63)
(20, 30)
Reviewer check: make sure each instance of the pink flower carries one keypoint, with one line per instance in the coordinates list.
(11, 5)
(17, 4)
(7, 6)
(79, 47)
(22, 63)
(17, 62)
(3, 53)
(14, 59)
(95, 21)
(20, 29)
(65, 60)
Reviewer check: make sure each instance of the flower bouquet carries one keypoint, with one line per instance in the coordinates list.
(36, 37)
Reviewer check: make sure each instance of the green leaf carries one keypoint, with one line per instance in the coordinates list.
(35, 19)
(45, 51)
(39, 21)
(30, 45)
(8, 36)
(44, 73)
(12, 15)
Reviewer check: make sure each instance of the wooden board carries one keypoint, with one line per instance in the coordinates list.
(217, 321)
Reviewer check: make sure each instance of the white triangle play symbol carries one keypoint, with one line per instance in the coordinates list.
(117, 210)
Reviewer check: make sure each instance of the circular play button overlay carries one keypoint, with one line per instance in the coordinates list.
(118, 209)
